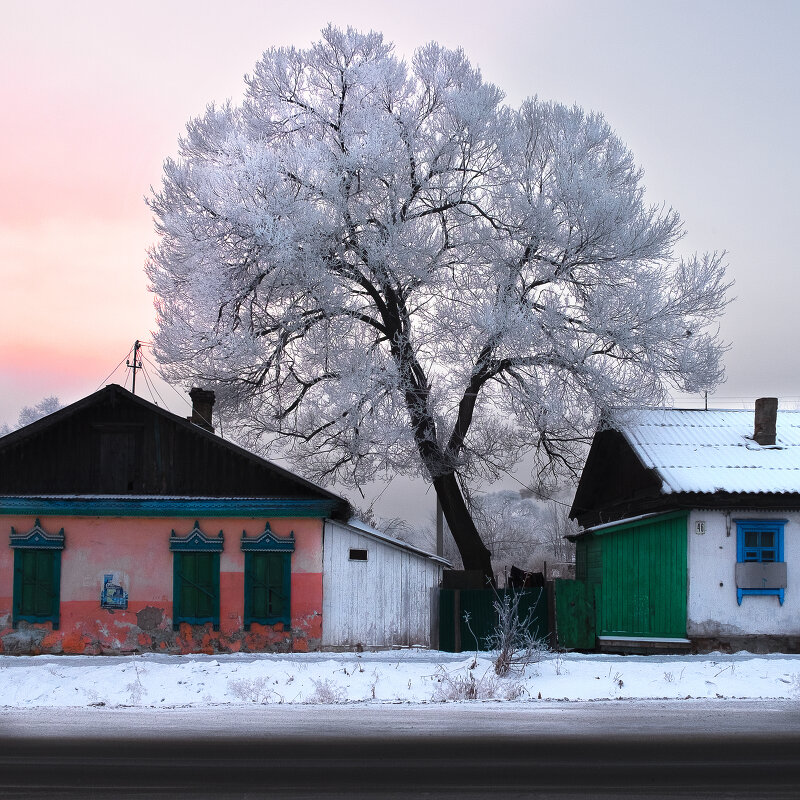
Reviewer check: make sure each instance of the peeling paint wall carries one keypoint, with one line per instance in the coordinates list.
(137, 550)
(713, 612)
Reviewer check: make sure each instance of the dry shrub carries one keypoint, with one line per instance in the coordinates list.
(251, 691)
(512, 641)
(454, 687)
(327, 693)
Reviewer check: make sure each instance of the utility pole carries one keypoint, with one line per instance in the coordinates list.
(439, 529)
(137, 364)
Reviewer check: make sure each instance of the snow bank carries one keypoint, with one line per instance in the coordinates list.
(405, 676)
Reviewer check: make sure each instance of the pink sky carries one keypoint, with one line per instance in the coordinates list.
(95, 95)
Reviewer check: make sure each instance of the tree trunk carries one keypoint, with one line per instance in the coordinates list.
(473, 552)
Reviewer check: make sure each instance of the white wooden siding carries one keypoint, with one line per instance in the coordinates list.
(383, 601)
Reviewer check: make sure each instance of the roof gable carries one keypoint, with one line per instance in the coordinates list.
(651, 460)
(115, 443)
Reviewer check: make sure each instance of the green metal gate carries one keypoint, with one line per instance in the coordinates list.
(467, 616)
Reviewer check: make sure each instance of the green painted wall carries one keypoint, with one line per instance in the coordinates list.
(642, 569)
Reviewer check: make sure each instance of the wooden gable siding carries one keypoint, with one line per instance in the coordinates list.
(612, 482)
(115, 443)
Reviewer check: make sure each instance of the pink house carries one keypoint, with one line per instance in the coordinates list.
(130, 529)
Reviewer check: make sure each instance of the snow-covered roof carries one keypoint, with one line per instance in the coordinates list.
(363, 528)
(713, 451)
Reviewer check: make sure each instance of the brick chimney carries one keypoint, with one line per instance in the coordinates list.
(202, 406)
(766, 419)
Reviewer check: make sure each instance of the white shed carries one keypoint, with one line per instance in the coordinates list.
(377, 591)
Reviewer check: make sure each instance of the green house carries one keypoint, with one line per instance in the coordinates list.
(690, 534)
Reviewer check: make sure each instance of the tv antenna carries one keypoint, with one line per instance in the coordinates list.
(137, 363)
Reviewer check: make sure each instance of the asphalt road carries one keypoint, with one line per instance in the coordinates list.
(571, 750)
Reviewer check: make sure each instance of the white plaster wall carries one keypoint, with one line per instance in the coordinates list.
(385, 600)
(712, 610)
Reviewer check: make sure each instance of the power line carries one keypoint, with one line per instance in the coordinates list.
(151, 386)
(103, 382)
(166, 383)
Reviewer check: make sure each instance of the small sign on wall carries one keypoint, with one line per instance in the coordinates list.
(113, 595)
(700, 527)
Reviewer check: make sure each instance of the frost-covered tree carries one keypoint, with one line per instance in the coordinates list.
(30, 414)
(382, 268)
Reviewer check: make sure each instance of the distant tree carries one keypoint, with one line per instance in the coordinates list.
(524, 531)
(390, 269)
(30, 414)
(395, 527)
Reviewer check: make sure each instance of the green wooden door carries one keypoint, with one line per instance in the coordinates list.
(575, 614)
(644, 579)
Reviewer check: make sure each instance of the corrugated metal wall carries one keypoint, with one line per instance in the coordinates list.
(383, 601)
(644, 579)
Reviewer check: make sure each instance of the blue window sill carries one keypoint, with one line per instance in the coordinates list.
(740, 593)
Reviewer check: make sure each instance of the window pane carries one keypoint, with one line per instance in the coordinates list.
(751, 538)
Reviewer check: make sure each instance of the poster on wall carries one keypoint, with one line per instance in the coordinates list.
(113, 595)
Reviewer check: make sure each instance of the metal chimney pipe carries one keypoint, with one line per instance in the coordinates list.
(766, 419)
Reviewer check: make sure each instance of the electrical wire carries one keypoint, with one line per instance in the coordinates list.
(177, 393)
(150, 383)
(103, 382)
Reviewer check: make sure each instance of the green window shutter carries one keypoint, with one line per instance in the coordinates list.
(278, 592)
(259, 590)
(188, 572)
(196, 588)
(44, 592)
(37, 584)
(267, 588)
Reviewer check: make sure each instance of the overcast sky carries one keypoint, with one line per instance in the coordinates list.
(95, 94)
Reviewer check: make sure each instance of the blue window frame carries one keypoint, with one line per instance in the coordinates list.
(760, 541)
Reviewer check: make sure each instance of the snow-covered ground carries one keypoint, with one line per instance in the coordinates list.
(407, 676)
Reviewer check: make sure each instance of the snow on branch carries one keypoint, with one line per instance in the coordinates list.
(388, 268)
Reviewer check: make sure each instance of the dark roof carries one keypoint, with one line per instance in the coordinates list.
(115, 443)
(664, 459)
